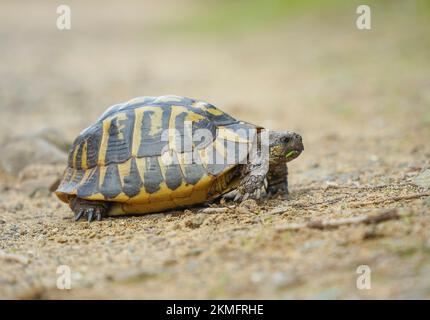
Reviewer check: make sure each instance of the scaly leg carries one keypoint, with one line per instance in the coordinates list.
(253, 183)
(278, 180)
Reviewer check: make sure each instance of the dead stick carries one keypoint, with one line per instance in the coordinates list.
(353, 204)
(213, 210)
(390, 199)
(368, 187)
(334, 223)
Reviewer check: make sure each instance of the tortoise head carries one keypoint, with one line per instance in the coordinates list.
(285, 145)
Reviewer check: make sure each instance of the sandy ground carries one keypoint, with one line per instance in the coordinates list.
(360, 99)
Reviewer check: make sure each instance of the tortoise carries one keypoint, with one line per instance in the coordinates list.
(153, 154)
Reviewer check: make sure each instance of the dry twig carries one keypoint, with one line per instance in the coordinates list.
(363, 187)
(384, 215)
(352, 204)
(390, 199)
(213, 210)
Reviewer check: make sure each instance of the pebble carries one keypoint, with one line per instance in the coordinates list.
(154, 216)
(61, 240)
(423, 179)
(257, 277)
(282, 279)
(248, 206)
(214, 210)
(196, 221)
(194, 252)
(18, 207)
(328, 294)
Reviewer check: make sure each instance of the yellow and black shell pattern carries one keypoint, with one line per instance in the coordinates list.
(136, 155)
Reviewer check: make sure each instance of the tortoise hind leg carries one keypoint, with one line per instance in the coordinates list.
(89, 209)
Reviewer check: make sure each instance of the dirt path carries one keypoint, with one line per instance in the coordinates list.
(359, 99)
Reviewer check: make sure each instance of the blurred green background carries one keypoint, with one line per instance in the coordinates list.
(274, 58)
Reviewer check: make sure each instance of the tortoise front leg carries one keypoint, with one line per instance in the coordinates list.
(277, 179)
(89, 209)
(253, 183)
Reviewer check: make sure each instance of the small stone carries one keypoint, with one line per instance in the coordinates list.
(328, 294)
(347, 177)
(31, 253)
(373, 158)
(154, 216)
(248, 206)
(257, 277)
(194, 252)
(423, 179)
(331, 184)
(283, 279)
(61, 240)
(196, 221)
(250, 203)
(211, 210)
(242, 210)
(18, 207)
(169, 262)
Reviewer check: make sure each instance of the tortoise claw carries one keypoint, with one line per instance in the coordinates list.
(91, 210)
(238, 197)
(79, 214)
(241, 197)
(98, 214)
(230, 196)
(256, 195)
(90, 214)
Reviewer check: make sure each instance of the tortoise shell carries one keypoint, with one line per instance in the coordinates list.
(136, 155)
